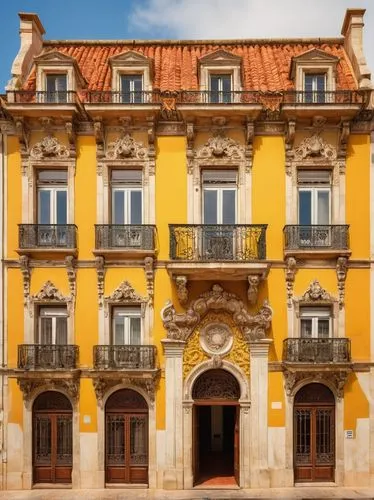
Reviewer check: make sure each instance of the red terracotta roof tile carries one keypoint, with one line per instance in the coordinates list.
(265, 66)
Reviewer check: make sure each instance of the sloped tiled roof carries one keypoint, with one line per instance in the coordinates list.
(265, 65)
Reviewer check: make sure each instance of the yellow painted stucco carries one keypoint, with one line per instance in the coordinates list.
(87, 406)
(276, 415)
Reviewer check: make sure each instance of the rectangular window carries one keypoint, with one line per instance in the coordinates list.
(127, 196)
(315, 322)
(126, 326)
(52, 328)
(315, 88)
(219, 196)
(131, 89)
(220, 87)
(52, 197)
(56, 85)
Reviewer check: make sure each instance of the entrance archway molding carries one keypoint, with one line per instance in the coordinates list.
(28, 403)
(244, 421)
(339, 427)
(152, 457)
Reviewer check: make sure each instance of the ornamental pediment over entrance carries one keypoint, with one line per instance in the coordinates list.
(179, 326)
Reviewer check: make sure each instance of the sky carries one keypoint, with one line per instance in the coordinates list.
(179, 19)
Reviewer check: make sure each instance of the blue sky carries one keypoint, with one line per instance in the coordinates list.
(129, 19)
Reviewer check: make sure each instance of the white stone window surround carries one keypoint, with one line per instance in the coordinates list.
(104, 191)
(220, 62)
(314, 61)
(30, 188)
(131, 63)
(55, 62)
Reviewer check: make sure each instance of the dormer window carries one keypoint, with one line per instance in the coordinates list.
(220, 88)
(56, 85)
(315, 87)
(132, 89)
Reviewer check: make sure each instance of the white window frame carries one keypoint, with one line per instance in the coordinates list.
(220, 188)
(131, 63)
(314, 190)
(127, 188)
(53, 201)
(132, 91)
(220, 90)
(220, 62)
(316, 314)
(129, 312)
(56, 312)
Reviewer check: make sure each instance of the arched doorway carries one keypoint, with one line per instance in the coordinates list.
(52, 438)
(314, 434)
(126, 438)
(216, 428)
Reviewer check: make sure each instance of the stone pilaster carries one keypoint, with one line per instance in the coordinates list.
(173, 474)
(259, 353)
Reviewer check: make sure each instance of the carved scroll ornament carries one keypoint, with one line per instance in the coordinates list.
(315, 146)
(125, 293)
(316, 293)
(336, 379)
(180, 326)
(49, 293)
(126, 148)
(220, 146)
(49, 147)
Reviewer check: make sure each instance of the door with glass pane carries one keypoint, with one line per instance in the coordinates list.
(127, 208)
(52, 208)
(219, 215)
(131, 89)
(220, 88)
(126, 438)
(126, 334)
(52, 335)
(52, 439)
(315, 332)
(315, 88)
(314, 434)
(56, 88)
(314, 211)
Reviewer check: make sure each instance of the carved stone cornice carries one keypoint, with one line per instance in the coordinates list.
(146, 383)
(49, 147)
(179, 326)
(290, 278)
(334, 377)
(66, 384)
(125, 147)
(149, 276)
(341, 273)
(182, 290)
(24, 262)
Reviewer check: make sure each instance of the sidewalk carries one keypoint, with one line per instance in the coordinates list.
(195, 494)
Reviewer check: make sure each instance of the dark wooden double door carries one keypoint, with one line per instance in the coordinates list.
(126, 434)
(314, 434)
(52, 439)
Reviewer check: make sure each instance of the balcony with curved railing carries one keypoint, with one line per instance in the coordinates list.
(47, 357)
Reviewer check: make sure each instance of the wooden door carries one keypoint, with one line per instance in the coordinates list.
(195, 443)
(52, 446)
(126, 438)
(314, 439)
(236, 445)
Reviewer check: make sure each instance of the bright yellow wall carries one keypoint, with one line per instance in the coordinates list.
(15, 327)
(87, 406)
(85, 216)
(268, 191)
(274, 290)
(171, 188)
(14, 187)
(358, 195)
(357, 312)
(86, 315)
(356, 404)
(276, 417)
(15, 403)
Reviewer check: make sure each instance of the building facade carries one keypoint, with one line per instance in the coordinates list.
(188, 248)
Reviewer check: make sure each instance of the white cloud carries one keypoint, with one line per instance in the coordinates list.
(196, 19)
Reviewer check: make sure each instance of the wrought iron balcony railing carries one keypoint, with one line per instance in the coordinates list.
(231, 97)
(47, 236)
(317, 350)
(298, 237)
(128, 236)
(47, 356)
(207, 242)
(124, 357)
(42, 97)
(337, 97)
(125, 98)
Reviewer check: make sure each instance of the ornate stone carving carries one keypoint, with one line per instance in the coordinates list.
(220, 146)
(341, 273)
(100, 270)
(216, 338)
(72, 275)
(169, 111)
(49, 293)
(343, 139)
(315, 146)
(126, 147)
(49, 147)
(290, 278)
(149, 276)
(71, 132)
(253, 282)
(318, 123)
(125, 293)
(180, 326)
(334, 378)
(102, 385)
(217, 361)
(23, 134)
(29, 386)
(217, 384)
(24, 262)
(98, 128)
(182, 290)
(316, 293)
(290, 134)
(193, 355)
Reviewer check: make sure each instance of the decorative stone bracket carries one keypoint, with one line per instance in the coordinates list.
(335, 378)
(24, 262)
(72, 276)
(149, 276)
(180, 326)
(290, 278)
(182, 290)
(341, 273)
(100, 270)
(30, 386)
